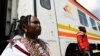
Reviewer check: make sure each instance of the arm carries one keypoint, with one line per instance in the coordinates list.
(80, 42)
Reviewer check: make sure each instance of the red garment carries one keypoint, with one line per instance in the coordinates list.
(82, 40)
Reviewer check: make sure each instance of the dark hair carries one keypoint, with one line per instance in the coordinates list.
(81, 28)
(24, 21)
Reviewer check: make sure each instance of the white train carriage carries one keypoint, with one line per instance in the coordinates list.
(60, 20)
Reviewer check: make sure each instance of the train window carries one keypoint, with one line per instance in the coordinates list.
(82, 18)
(45, 4)
(98, 26)
(93, 24)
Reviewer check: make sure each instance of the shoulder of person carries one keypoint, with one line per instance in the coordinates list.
(81, 33)
(13, 40)
(41, 40)
(17, 37)
(43, 43)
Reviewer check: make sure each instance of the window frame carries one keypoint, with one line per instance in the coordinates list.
(83, 19)
(93, 23)
(98, 26)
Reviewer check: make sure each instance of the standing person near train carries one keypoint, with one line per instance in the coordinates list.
(83, 43)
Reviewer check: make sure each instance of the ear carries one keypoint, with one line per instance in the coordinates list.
(25, 29)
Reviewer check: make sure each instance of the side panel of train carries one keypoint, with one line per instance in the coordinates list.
(69, 17)
(60, 20)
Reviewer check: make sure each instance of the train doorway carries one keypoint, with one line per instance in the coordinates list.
(3, 12)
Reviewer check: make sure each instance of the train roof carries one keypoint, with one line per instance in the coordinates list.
(83, 9)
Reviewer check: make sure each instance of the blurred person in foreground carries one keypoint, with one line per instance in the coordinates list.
(28, 44)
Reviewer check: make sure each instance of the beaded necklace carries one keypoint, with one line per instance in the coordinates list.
(35, 47)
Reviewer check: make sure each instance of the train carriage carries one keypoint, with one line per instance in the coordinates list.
(59, 21)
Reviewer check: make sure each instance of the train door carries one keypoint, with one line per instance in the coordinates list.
(47, 17)
(45, 11)
(8, 12)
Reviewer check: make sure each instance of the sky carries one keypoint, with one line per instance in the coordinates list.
(92, 5)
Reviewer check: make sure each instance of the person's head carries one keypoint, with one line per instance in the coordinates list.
(81, 28)
(30, 25)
